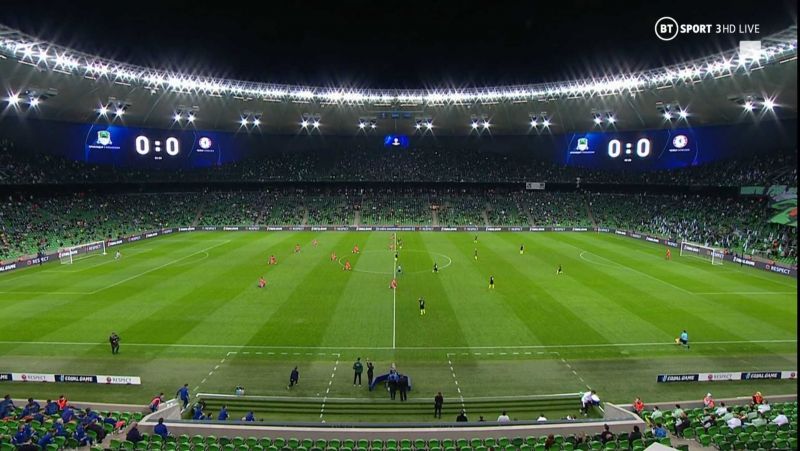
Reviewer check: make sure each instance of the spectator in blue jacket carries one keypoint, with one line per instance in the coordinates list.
(50, 408)
(161, 429)
(46, 439)
(223, 413)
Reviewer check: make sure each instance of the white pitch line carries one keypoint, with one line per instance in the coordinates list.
(394, 297)
(453, 372)
(749, 293)
(127, 279)
(330, 382)
(630, 269)
(405, 348)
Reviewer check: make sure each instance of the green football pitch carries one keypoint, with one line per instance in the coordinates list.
(188, 310)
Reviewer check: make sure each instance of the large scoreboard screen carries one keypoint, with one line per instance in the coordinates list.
(123, 146)
(653, 149)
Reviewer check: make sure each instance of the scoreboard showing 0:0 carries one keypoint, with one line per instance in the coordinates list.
(171, 146)
(642, 149)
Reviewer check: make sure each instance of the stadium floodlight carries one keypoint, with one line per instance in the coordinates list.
(474, 125)
(13, 100)
(243, 121)
(418, 126)
(486, 124)
(373, 126)
(598, 120)
(748, 106)
(304, 123)
(667, 116)
(769, 104)
(361, 125)
(256, 122)
(545, 122)
(534, 122)
(103, 110)
(429, 125)
(119, 111)
(611, 119)
(34, 102)
(190, 117)
(177, 117)
(683, 114)
(315, 123)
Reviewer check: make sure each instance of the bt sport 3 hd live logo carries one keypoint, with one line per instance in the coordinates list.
(667, 29)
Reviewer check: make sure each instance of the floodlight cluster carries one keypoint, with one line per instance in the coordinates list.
(47, 56)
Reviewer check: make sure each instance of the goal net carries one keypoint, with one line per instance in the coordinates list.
(710, 254)
(71, 254)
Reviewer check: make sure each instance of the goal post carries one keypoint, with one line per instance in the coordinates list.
(711, 254)
(69, 255)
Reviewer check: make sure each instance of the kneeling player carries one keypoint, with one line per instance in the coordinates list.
(315, 242)
(347, 266)
(683, 340)
(296, 248)
(333, 256)
(118, 255)
(435, 267)
(476, 254)
(421, 306)
(491, 282)
(558, 271)
(393, 284)
(273, 260)
(261, 282)
(355, 249)
(521, 249)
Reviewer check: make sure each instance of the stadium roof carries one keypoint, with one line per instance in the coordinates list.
(73, 86)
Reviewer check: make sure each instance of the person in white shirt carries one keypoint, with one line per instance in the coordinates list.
(764, 407)
(781, 419)
(734, 422)
(721, 410)
(541, 418)
(587, 400)
(503, 418)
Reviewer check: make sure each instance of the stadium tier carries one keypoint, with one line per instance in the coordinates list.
(506, 265)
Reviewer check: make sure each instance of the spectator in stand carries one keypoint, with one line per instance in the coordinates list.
(606, 436)
(133, 434)
(681, 423)
(155, 402)
(781, 419)
(638, 405)
(636, 434)
(68, 414)
(764, 407)
(81, 436)
(757, 398)
(734, 423)
(657, 414)
(462, 417)
(223, 413)
(708, 401)
(721, 409)
(161, 428)
(659, 431)
(249, 417)
(50, 408)
(503, 418)
(541, 418)
(6, 407)
(760, 420)
(62, 402)
(46, 439)
(550, 442)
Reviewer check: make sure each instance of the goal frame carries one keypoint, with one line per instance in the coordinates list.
(68, 255)
(703, 252)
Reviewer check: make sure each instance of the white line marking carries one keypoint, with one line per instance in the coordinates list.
(127, 279)
(407, 348)
(750, 293)
(455, 380)
(328, 390)
(629, 268)
(394, 296)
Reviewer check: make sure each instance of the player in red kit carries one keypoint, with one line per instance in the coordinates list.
(355, 249)
(273, 260)
(261, 282)
(393, 284)
(347, 266)
(333, 256)
(315, 242)
(296, 248)
(669, 254)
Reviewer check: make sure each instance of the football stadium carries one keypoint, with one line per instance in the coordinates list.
(497, 228)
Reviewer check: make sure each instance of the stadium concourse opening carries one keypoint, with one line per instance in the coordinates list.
(592, 244)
